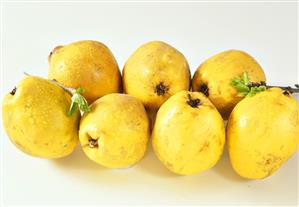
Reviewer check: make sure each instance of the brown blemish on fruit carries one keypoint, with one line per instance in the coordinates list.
(161, 89)
(13, 91)
(194, 103)
(270, 163)
(181, 169)
(205, 146)
(18, 144)
(204, 89)
(168, 164)
(123, 151)
(279, 103)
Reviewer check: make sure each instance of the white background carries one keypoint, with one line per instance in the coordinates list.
(268, 31)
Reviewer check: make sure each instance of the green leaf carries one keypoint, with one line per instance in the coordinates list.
(246, 78)
(80, 90)
(244, 88)
(73, 108)
(239, 85)
(256, 89)
(242, 94)
(236, 82)
(262, 88)
(78, 102)
(83, 105)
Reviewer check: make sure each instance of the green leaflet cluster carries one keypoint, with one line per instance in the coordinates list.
(245, 87)
(78, 102)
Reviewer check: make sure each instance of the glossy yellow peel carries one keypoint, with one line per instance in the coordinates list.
(154, 72)
(263, 133)
(188, 135)
(115, 132)
(87, 64)
(36, 121)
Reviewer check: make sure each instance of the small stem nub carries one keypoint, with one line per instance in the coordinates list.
(67, 89)
(194, 103)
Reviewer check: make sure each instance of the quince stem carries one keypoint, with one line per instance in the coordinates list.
(78, 100)
(247, 88)
(287, 88)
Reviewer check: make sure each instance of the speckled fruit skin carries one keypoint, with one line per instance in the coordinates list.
(216, 74)
(36, 121)
(88, 64)
(154, 72)
(115, 132)
(186, 139)
(263, 133)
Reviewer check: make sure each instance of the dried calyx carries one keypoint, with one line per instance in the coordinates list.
(204, 89)
(247, 88)
(13, 91)
(161, 89)
(194, 103)
(93, 143)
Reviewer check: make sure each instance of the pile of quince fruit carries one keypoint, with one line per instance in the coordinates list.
(82, 100)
